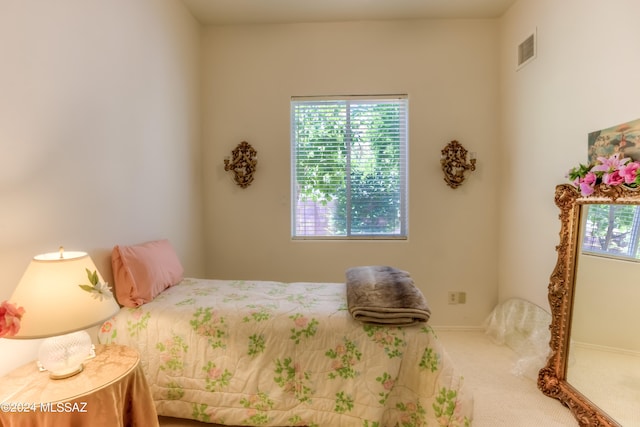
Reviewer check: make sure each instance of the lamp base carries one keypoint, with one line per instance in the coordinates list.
(61, 376)
(63, 355)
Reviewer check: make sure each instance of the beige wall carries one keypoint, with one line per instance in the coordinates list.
(448, 69)
(606, 303)
(583, 79)
(99, 133)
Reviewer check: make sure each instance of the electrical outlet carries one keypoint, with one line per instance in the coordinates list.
(452, 297)
(457, 297)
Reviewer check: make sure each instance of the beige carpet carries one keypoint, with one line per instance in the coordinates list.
(502, 399)
(609, 378)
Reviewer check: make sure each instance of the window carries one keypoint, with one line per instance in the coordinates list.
(349, 167)
(612, 231)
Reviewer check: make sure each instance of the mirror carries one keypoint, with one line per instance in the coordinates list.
(604, 346)
(594, 363)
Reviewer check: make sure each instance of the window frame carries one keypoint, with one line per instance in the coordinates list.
(403, 158)
(634, 238)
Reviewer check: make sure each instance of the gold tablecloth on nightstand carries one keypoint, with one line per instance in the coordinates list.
(111, 391)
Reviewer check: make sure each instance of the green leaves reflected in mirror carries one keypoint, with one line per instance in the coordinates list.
(611, 230)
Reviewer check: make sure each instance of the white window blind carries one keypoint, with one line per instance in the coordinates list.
(612, 231)
(349, 167)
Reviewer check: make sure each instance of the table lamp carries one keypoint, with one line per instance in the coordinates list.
(62, 294)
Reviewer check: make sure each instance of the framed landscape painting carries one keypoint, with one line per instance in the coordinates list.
(623, 138)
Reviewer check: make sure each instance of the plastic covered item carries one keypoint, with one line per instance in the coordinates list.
(523, 327)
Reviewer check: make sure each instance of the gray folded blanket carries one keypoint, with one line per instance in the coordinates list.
(385, 296)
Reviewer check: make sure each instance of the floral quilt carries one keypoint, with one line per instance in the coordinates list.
(287, 354)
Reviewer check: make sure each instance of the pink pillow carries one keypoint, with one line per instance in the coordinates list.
(143, 271)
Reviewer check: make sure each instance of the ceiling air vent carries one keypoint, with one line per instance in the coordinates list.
(527, 51)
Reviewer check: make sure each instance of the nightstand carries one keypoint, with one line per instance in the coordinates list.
(111, 391)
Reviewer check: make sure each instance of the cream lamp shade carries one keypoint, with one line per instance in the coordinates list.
(62, 293)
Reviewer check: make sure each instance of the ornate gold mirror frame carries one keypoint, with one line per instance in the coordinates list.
(552, 379)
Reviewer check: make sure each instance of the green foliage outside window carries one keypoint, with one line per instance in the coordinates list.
(351, 154)
(612, 230)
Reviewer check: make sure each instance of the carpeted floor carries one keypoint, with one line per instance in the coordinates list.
(502, 399)
(609, 377)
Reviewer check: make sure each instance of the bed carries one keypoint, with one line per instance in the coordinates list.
(242, 352)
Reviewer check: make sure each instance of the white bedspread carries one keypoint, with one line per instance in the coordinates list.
(278, 354)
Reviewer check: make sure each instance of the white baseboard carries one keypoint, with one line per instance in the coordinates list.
(603, 348)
